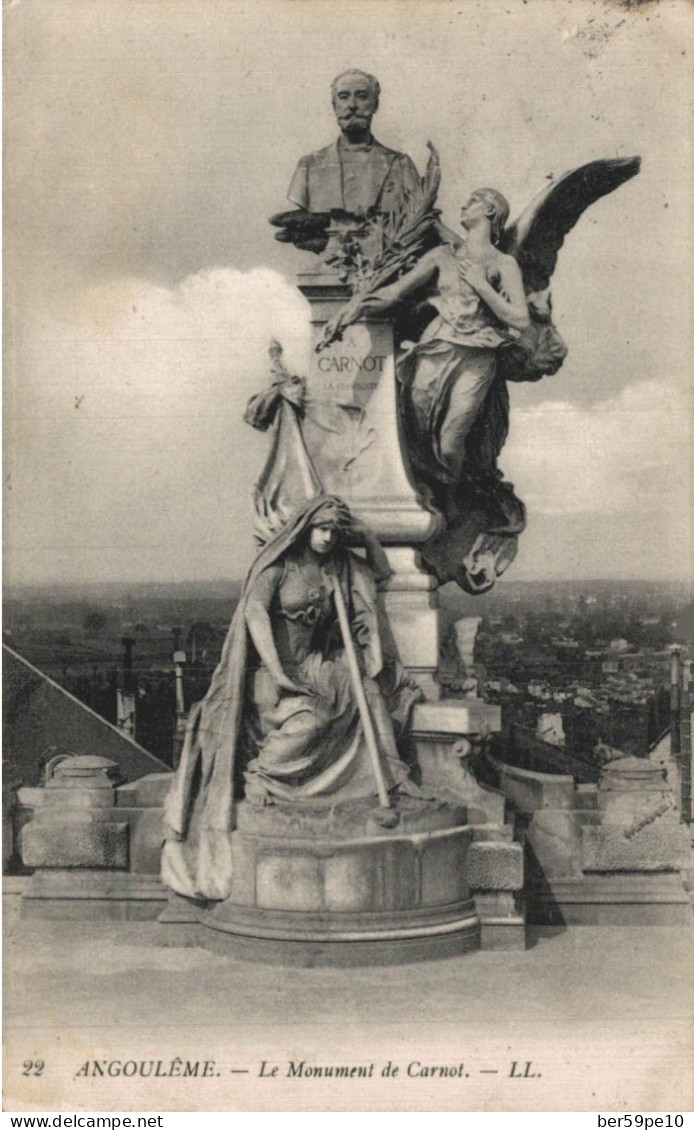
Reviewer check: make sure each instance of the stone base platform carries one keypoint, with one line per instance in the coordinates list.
(381, 948)
(636, 899)
(348, 885)
(62, 894)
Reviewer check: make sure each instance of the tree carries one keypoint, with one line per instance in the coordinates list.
(95, 622)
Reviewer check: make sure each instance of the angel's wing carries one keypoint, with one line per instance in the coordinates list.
(535, 237)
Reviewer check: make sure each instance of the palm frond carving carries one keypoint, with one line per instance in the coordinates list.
(395, 241)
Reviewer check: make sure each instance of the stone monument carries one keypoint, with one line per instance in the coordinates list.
(381, 481)
(328, 806)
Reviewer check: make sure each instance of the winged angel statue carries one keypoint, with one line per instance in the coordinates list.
(479, 309)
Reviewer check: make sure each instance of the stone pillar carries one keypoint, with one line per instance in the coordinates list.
(411, 602)
(353, 435)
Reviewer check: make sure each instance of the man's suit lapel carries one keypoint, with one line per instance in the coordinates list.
(381, 163)
(328, 180)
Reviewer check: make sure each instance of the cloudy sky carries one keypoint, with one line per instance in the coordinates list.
(147, 141)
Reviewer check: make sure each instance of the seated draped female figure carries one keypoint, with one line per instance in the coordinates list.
(280, 722)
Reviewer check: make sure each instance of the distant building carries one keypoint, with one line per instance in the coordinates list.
(550, 728)
(619, 645)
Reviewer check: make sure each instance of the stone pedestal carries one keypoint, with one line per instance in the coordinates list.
(352, 433)
(639, 825)
(351, 426)
(319, 886)
(94, 845)
(67, 830)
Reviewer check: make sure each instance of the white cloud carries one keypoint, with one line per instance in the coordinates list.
(132, 346)
(128, 454)
(630, 452)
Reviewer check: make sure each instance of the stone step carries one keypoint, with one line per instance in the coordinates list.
(624, 899)
(492, 832)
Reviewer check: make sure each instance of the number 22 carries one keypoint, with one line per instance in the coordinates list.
(33, 1067)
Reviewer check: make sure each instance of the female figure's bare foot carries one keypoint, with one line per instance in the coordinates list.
(410, 789)
(257, 794)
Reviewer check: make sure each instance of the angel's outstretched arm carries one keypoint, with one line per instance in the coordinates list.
(421, 274)
(382, 299)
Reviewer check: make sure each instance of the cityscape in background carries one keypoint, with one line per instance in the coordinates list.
(581, 669)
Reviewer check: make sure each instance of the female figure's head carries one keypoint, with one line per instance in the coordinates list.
(322, 537)
(323, 513)
(490, 204)
(329, 518)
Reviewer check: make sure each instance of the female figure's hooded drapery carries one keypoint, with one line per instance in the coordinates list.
(199, 809)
